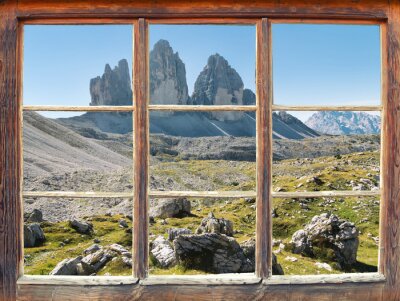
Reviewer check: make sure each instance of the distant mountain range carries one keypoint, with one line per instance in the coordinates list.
(344, 123)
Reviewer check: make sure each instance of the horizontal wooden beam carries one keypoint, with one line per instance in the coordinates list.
(200, 194)
(76, 194)
(331, 193)
(218, 279)
(326, 108)
(80, 108)
(329, 278)
(204, 108)
(76, 280)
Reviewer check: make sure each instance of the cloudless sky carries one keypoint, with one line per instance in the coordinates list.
(312, 64)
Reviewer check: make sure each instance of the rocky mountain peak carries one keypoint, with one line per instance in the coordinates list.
(167, 76)
(113, 87)
(344, 123)
(219, 84)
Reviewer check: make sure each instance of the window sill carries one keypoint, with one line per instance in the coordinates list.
(222, 279)
(76, 280)
(325, 279)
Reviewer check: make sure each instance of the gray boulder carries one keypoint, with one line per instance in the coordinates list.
(81, 226)
(211, 252)
(249, 250)
(211, 224)
(35, 216)
(164, 208)
(67, 267)
(33, 235)
(175, 232)
(162, 252)
(328, 237)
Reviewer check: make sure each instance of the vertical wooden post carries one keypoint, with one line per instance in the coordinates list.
(141, 150)
(264, 150)
(390, 216)
(10, 131)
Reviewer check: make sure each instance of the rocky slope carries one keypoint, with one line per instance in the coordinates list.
(344, 123)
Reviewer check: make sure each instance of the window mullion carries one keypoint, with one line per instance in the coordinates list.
(264, 151)
(141, 146)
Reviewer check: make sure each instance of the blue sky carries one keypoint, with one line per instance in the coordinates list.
(313, 64)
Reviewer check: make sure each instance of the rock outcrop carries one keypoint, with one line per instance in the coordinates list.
(211, 252)
(33, 235)
(211, 224)
(35, 216)
(162, 252)
(167, 76)
(113, 87)
(175, 232)
(219, 84)
(81, 226)
(92, 260)
(249, 98)
(164, 208)
(328, 237)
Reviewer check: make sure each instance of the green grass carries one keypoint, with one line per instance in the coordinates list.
(290, 175)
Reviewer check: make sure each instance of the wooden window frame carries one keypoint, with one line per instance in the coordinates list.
(384, 285)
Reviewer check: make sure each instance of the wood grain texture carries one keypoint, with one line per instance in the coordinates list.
(141, 151)
(80, 108)
(10, 209)
(310, 292)
(201, 108)
(360, 9)
(88, 11)
(326, 108)
(264, 151)
(390, 222)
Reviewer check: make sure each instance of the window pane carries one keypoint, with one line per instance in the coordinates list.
(195, 151)
(202, 64)
(77, 65)
(202, 236)
(328, 150)
(90, 152)
(77, 236)
(326, 235)
(326, 64)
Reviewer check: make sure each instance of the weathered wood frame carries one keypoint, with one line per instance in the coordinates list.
(383, 286)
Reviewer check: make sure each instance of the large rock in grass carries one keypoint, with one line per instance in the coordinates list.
(81, 226)
(328, 237)
(175, 232)
(67, 267)
(35, 216)
(249, 250)
(162, 252)
(174, 207)
(33, 235)
(211, 224)
(211, 252)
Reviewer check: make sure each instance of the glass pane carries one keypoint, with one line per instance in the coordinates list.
(326, 235)
(77, 65)
(326, 64)
(89, 152)
(202, 236)
(194, 151)
(202, 64)
(327, 150)
(83, 237)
